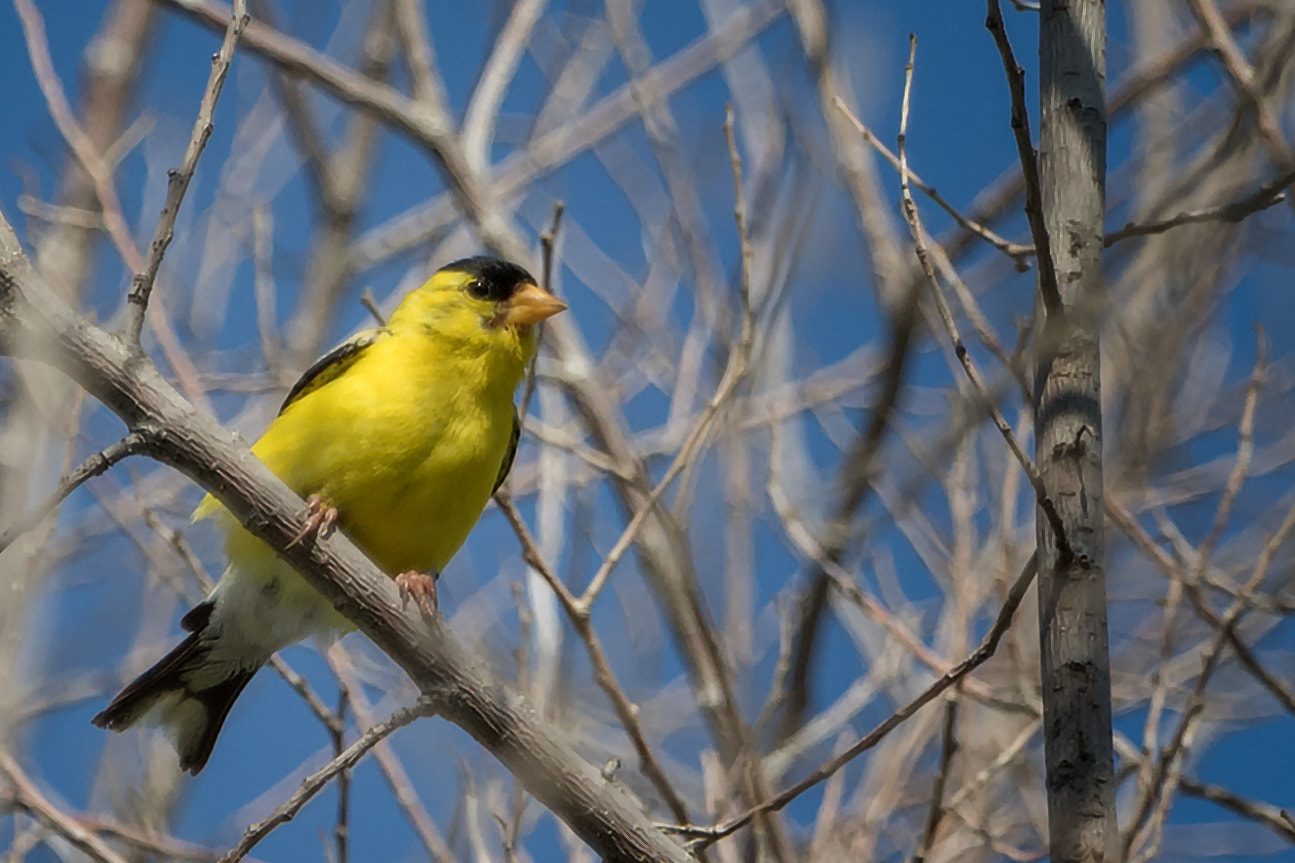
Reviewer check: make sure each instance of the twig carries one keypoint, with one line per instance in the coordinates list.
(134, 443)
(983, 329)
(735, 372)
(1029, 160)
(1211, 21)
(331, 721)
(562, 144)
(338, 179)
(416, 44)
(29, 797)
(371, 306)
(839, 578)
(706, 836)
(483, 108)
(1166, 776)
(58, 214)
(1130, 527)
(1064, 550)
(1001, 761)
(1164, 779)
(263, 283)
(948, 748)
(178, 180)
(163, 846)
(626, 711)
(1269, 194)
(1241, 467)
(1017, 252)
(740, 218)
(393, 771)
(548, 245)
(315, 782)
(100, 172)
(342, 830)
(1272, 817)
(548, 252)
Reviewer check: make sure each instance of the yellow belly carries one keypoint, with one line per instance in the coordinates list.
(406, 446)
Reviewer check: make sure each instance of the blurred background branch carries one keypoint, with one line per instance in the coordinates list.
(761, 506)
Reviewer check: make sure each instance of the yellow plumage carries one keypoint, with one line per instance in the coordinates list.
(406, 432)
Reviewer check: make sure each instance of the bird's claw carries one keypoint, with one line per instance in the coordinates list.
(420, 587)
(320, 520)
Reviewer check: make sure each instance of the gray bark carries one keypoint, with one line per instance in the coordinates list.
(1068, 444)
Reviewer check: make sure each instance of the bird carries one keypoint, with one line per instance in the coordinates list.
(398, 437)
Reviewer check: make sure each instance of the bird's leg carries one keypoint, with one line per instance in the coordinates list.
(421, 587)
(320, 519)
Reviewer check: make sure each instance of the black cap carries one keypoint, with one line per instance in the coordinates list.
(496, 279)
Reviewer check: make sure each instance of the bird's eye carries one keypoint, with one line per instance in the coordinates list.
(478, 289)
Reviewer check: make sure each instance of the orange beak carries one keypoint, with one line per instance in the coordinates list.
(530, 305)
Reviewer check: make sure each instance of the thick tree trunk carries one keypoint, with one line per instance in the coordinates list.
(1068, 448)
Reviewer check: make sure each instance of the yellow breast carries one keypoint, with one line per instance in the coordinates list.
(406, 444)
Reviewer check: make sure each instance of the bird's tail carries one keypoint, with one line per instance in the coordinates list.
(193, 693)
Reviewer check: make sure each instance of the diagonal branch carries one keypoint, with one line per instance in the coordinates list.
(460, 685)
(959, 348)
(705, 836)
(1029, 159)
(315, 782)
(96, 465)
(177, 180)
(27, 796)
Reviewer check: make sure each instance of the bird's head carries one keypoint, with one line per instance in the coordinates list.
(481, 300)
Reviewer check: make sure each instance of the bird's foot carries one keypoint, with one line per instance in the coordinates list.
(420, 587)
(320, 520)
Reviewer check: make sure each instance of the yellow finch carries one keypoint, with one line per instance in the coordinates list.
(400, 436)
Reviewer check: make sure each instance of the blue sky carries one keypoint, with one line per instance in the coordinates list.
(959, 140)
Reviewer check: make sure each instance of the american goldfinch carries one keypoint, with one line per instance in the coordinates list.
(399, 437)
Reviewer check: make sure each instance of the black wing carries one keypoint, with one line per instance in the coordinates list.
(332, 364)
(511, 454)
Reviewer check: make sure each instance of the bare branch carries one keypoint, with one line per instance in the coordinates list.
(463, 689)
(1029, 159)
(29, 797)
(393, 770)
(948, 748)
(61, 111)
(100, 173)
(416, 40)
(96, 465)
(1272, 817)
(1243, 78)
(1015, 251)
(626, 711)
(960, 349)
(315, 782)
(178, 180)
(1269, 194)
(483, 109)
(706, 836)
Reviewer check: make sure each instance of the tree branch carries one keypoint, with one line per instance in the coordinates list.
(459, 684)
(1029, 159)
(315, 782)
(706, 836)
(28, 796)
(177, 180)
(96, 465)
